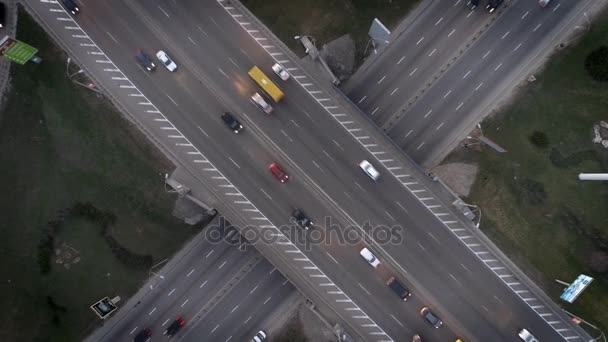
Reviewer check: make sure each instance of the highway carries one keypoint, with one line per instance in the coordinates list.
(445, 265)
(438, 79)
(222, 291)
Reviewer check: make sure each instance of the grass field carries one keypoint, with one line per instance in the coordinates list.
(533, 205)
(326, 20)
(60, 145)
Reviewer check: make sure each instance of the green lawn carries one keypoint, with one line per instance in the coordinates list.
(326, 20)
(60, 145)
(534, 207)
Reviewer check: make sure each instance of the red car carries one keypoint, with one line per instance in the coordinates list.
(276, 170)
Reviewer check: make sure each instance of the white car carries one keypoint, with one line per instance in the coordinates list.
(280, 71)
(259, 100)
(369, 169)
(166, 60)
(526, 336)
(259, 337)
(369, 257)
(543, 3)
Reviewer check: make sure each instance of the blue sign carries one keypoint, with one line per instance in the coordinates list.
(576, 288)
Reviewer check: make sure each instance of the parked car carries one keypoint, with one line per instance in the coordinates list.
(232, 122)
(369, 257)
(142, 335)
(278, 172)
(166, 60)
(70, 5)
(298, 216)
(369, 169)
(144, 60)
(259, 337)
(175, 326)
(280, 71)
(430, 317)
(399, 289)
(261, 103)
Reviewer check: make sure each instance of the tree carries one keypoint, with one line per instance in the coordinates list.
(596, 64)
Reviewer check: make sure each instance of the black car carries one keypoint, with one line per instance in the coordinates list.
(70, 5)
(301, 219)
(430, 317)
(399, 289)
(232, 122)
(472, 4)
(144, 60)
(493, 4)
(143, 335)
(2, 15)
(175, 326)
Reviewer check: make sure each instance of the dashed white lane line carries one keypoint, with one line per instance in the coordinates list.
(432, 52)
(419, 41)
(222, 265)
(536, 28)
(172, 100)
(460, 105)
(419, 146)
(486, 54)
(340, 147)
(318, 166)
(363, 98)
(287, 136)
(192, 41)
(247, 320)
(223, 73)
(189, 273)
(402, 58)
(162, 10)
(421, 246)
(479, 86)
(434, 238)
(411, 73)
(253, 290)
(208, 254)
(382, 79)
(228, 339)
(375, 110)
(233, 162)
(267, 299)
(391, 216)
(364, 289)
(214, 329)
(233, 62)
(203, 284)
(202, 130)
(234, 309)
(132, 331)
(463, 266)
(525, 15)
(184, 303)
(396, 320)
(151, 312)
(438, 21)
(556, 7)
(295, 123)
(332, 258)
(438, 127)
(505, 35)
(402, 207)
(394, 91)
(266, 194)
(447, 94)
(451, 33)
(498, 67)
(517, 47)
(428, 113)
(165, 322)
(467, 74)
(170, 293)
(112, 37)
(456, 280)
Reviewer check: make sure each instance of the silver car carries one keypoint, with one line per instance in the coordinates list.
(369, 169)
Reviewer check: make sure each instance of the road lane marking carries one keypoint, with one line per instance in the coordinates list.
(434, 238)
(317, 165)
(203, 284)
(114, 39)
(448, 93)
(479, 86)
(233, 162)
(165, 322)
(170, 293)
(162, 10)
(208, 254)
(419, 40)
(400, 60)
(419, 146)
(192, 41)
(375, 110)
(394, 91)
(463, 266)
(286, 135)
(222, 265)
(295, 123)
(132, 331)
(266, 301)
(236, 307)
(247, 320)
(152, 311)
(189, 273)
(438, 127)
(517, 47)
(556, 7)
(432, 52)
(438, 21)
(389, 215)
(505, 35)
(363, 98)
(382, 79)
(187, 300)
(332, 258)
(425, 115)
(223, 73)
(217, 326)
(421, 246)
(202, 130)
(396, 320)
(229, 338)
(536, 28)
(172, 100)
(411, 73)
(456, 280)
(498, 67)
(460, 105)
(253, 290)
(453, 30)
(525, 15)
(364, 289)
(486, 54)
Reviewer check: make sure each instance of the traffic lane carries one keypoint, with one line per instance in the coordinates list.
(524, 39)
(179, 289)
(398, 83)
(235, 314)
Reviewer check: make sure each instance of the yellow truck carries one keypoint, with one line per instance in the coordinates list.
(265, 83)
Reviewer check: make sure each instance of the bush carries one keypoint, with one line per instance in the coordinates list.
(596, 64)
(539, 139)
(529, 191)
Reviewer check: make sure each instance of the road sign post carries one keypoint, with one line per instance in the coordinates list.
(17, 51)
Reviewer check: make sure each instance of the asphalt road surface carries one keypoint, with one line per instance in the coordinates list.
(437, 257)
(443, 74)
(224, 291)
